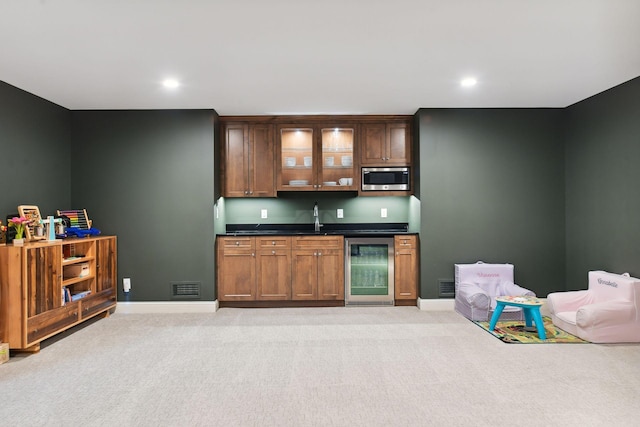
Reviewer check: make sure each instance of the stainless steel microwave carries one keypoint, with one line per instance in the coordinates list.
(386, 179)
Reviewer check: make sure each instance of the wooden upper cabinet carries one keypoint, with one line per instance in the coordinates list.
(385, 144)
(248, 160)
(264, 155)
(261, 165)
(316, 157)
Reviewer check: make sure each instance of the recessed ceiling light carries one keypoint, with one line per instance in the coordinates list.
(170, 83)
(468, 82)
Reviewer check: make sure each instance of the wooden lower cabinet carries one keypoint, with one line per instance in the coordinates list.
(406, 269)
(280, 268)
(273, 268)
(46, 288)
(254, 268)
(317, 266)
(236, 262)
(301, 268)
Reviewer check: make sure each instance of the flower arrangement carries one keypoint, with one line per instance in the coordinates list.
(18, 223)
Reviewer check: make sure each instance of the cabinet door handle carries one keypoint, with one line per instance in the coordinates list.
(253, 254)
(273, 243)
(273, 252)
(319, 253)
(237, 243)
(250, 192)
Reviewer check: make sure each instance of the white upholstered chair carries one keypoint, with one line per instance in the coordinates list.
(477, 286)
(607, 312)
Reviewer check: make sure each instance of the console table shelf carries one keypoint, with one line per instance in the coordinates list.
(37, 279)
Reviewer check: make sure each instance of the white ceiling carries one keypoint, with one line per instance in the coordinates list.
(317, 56)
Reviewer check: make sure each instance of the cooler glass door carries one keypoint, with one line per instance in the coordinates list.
(369, 271)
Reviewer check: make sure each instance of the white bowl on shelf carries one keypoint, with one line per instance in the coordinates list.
(330, 183)
(299, 182)
(289, 161)
(346, 160)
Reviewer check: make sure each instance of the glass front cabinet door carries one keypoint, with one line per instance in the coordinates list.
(316, 158)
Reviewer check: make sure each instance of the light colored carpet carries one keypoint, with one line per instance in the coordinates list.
(355, 366)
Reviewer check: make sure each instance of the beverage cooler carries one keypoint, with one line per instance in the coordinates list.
(369, 271)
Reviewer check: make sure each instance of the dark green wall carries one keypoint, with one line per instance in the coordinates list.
(34, 142)
(603, 196)
(148, 177)
(491, 189)
(491, 184)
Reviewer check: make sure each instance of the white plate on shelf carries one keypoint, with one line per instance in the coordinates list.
(299, 182)
(329, 183)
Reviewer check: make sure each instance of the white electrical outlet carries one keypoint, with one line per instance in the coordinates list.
(263, 213)
(126, 284)
(383, 212)
(340, 213)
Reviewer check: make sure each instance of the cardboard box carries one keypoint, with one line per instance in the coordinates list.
(76, 270)
(4, 352)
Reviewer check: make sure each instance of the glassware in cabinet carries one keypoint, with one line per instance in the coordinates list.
(296, 153)
(337, 157)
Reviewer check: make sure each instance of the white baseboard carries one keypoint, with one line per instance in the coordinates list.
(213, 306)
(167, 307)
(443, 304)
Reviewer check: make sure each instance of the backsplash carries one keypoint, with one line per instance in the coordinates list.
(297, 208)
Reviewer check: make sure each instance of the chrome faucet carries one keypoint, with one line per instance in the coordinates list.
(316, 217)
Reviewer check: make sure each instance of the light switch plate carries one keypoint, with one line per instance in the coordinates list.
(340, 213)
(263, 213)
(383, 212)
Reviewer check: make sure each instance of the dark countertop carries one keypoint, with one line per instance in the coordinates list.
(342, 229)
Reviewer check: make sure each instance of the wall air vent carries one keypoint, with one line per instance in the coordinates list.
(446, 288)
(185, 290)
